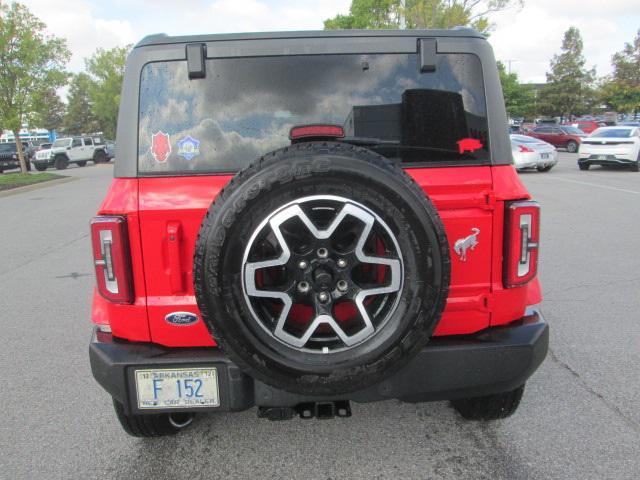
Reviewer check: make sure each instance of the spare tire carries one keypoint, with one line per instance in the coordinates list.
(321, 269)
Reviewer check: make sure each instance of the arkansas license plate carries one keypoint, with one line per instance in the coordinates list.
(177, 388)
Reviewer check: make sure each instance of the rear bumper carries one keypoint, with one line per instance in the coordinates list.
(607, 159)
(492, 361)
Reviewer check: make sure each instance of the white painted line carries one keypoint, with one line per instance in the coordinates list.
(594, 185)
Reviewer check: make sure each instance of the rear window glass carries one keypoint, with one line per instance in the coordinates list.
(245, 107)
(613, 133)
(524, 139)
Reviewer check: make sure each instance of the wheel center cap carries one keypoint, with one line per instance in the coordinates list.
(323, 278)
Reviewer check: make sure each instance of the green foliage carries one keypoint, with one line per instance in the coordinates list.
(621, 91)
(32, 64)
(80, 118)
(15, 180)
(518, 98)
(106, 69)
(367, 14)
(419, 14)
(569, 89)
(53, 111)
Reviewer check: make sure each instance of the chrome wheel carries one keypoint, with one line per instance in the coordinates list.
(322, 274)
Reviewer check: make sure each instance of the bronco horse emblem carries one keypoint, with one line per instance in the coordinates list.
(463, 244)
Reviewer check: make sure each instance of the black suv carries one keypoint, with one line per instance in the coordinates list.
(9, 155)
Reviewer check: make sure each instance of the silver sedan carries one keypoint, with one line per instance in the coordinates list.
(529, 152)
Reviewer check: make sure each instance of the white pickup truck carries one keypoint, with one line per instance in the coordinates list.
(77, 150)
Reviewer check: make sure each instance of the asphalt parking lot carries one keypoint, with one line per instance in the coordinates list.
(579, 418)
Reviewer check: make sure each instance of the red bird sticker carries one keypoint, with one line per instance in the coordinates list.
(469, 145)
(160, 146)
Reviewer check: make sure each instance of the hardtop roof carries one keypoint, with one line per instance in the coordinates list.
(163, 38)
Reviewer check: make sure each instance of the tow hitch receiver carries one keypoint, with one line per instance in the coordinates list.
(319, 410)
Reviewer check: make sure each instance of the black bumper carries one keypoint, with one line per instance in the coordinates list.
(9, 163)
(492, 361)
(609, 161)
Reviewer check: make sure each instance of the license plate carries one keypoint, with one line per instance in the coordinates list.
(544, 155)
(602, 157)
(177, 388)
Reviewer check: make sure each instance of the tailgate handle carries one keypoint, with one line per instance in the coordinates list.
(174, 238)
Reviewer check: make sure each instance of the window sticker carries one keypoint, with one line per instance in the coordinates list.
(160, 146)
(188, 147)
(469, 145)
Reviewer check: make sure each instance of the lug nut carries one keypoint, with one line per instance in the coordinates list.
(323, 296)
(323, 252)
(302, 265)
(342, 263)
(303, 287)
(342, 285)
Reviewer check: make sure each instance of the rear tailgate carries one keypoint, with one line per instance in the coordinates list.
(171, 212)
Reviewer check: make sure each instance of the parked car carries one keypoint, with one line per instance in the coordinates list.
(9, 155)
(529, 152)
(240, 267)
(78, 150)
(611, 146)
(629, 124)
(560, 136)
(588, 126)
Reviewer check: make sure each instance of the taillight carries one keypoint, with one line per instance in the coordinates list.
(524, 149)
(522, 237)
(306, 131)
(112, 259)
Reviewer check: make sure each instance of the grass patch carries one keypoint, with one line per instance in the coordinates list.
(15, 180)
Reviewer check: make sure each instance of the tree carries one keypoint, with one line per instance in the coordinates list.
(31, 64)
(80, 118)
(419, 14)
(53, 111)
(621, 91)
(518, 97)
(569, 89)
(368, 14)
(106, 68)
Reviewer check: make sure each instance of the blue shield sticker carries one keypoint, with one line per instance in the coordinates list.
(188, 147)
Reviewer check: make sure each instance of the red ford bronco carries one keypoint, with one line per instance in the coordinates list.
(302, 220)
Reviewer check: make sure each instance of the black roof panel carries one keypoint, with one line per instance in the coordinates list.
(163, 38)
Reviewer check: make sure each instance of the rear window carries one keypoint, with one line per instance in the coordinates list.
(524, 139)
(245, 107)
(612, 133)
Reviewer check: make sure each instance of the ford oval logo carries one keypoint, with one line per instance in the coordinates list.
(181, 318)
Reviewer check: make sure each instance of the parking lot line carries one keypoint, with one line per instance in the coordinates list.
(588, 184)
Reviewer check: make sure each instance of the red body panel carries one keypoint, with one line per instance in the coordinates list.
(167, 216)
(127, 321)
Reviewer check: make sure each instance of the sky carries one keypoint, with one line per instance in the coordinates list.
(527, 36)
